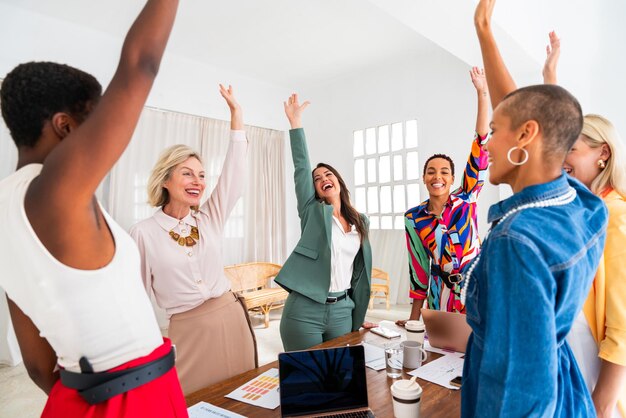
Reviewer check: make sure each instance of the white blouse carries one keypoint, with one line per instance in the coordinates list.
(344, 248)
(104, 315)
(181, 277)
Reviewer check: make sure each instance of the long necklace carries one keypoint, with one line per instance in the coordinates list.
(188, 241)
(564, 199)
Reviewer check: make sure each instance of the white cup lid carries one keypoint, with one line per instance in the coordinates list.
(406, 389)
(414, 325)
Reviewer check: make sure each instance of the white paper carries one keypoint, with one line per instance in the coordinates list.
(432, 349)
(441, 371)
(261, 391)
(206, 410)
(374, 356)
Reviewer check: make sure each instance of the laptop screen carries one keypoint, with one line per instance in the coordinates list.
(324, 380)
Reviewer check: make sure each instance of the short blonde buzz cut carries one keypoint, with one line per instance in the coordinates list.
(168, 160)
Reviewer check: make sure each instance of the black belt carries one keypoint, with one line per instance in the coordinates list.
(99, 387)
(449, 279)
(331, 300)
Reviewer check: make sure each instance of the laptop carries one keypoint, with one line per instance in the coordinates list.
(324, 383)
(446, 330)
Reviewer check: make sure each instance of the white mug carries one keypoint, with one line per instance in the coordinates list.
(414, 354)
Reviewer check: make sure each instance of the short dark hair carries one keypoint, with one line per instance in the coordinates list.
(556, 110)
(443, 156)
(34, 91)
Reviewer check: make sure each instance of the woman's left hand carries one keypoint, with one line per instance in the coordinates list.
(369, 325)
(478, 80)
(236, 117)
(229, 96)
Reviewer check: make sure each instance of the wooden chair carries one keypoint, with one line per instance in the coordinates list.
(380, 287)
(252, 280)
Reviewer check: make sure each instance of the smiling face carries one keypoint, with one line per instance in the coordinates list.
(326, 184)
(438, 177)
(582, 161)
(185, 184)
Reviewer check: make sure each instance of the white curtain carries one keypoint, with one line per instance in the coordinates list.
(389, 253)
(126, 198)
(255, 230)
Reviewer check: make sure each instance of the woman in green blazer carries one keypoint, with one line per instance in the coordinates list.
(328, 273)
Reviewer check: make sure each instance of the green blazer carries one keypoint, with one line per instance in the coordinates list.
(307, 270)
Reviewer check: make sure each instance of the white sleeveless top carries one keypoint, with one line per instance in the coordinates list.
(104, 315)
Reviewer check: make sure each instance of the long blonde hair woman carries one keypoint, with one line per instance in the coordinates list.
(598, 338)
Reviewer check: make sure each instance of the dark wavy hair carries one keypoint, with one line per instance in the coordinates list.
(347, 210)
(33, 92)
(444, 156)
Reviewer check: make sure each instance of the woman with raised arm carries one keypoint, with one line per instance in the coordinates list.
(72, 275)
(328, 274)
(598, 336)
(531, 278)
(442, 232)
(181, 254)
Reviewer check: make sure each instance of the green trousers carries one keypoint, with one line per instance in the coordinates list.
(306, 323)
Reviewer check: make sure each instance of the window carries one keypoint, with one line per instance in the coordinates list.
(386, 173)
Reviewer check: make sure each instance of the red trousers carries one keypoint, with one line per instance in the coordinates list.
(161, 397)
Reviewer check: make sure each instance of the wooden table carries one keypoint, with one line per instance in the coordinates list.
(437, 401)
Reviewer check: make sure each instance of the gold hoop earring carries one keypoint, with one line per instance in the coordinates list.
(601, 164)
(508, 156)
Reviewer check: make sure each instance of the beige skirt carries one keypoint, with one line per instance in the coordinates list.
(214, 341)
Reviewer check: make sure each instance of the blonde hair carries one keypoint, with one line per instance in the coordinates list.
(597, 131)
(170, 157)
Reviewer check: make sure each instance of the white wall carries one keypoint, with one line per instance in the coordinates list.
(435, 89)
(182, 84)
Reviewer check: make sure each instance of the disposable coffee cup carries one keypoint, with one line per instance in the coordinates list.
(413, 354)
(415, 331)
(406, 395)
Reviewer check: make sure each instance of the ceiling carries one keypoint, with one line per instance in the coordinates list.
(279, 41)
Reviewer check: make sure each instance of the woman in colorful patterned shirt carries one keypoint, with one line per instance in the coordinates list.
(442, 232)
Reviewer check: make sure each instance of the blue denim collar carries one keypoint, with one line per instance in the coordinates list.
(530, 194)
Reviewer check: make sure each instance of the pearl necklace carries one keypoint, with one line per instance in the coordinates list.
(564, 199)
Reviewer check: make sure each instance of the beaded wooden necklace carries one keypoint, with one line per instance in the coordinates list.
(188, 241)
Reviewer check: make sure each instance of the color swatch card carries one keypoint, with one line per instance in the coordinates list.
(261, 391)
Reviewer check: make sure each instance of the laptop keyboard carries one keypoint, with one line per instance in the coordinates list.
(356, 414)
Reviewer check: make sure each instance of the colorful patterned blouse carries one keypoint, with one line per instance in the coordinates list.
(449, 242)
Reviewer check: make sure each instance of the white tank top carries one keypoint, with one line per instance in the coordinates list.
(104, 315)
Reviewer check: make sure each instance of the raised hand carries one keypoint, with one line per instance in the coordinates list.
(478, 80)
(498, 78)
(293, 110)
(483, 13)
(236, 114)
(553, 51)
(482, 112)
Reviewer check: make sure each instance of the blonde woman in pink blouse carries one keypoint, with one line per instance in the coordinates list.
(182, 260)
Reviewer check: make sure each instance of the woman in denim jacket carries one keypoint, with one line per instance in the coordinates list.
(536, 266)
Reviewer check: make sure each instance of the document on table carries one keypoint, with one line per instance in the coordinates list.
(261, 391)
(432, 349)
(441, 371)
(206, 410)
(374, 356)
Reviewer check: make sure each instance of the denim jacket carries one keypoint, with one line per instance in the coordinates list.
(530, 283)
